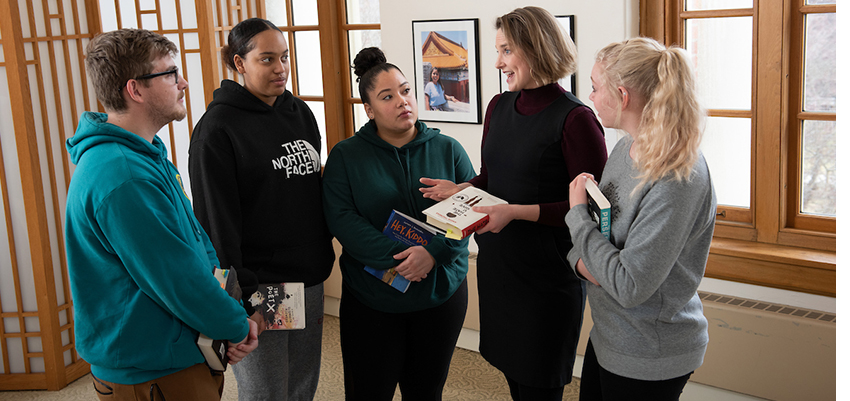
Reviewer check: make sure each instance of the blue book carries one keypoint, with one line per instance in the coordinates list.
(409, 231)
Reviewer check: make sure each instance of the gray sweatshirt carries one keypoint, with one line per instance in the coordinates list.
(648, 322)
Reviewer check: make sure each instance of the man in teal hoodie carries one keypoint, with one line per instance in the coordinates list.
(141, 266)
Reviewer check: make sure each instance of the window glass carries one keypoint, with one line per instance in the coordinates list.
(820, 1)
(721, 50)
(305, 12)
(318, 109)
(360, 117)
(692, 5)
(820, 63)
(358, 40)
(363, 11)
(309, 63)
(276, 12)
(726, 146)
(818, 179)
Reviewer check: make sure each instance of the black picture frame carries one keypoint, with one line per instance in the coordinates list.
(451, 47)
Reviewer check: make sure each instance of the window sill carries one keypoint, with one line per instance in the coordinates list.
(797, 269)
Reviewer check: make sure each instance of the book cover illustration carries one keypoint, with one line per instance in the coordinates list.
(409, 231)
(600, 208)
(215, 351)
(455, 214)
(282, 305)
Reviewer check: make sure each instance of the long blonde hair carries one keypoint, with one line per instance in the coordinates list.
(671, 123)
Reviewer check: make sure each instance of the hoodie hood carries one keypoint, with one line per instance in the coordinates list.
(369, 133)
(233, 94)
(94, 130)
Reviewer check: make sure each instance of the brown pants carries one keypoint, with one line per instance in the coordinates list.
(195, 383)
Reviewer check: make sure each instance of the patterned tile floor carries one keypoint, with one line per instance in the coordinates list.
(471, 378)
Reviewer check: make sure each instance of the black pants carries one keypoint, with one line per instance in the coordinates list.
(413, 350)
(521, 392)
(598, 384)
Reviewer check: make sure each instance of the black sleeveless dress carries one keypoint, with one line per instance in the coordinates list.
(531, 303)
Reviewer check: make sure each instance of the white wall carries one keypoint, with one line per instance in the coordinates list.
(598, 23)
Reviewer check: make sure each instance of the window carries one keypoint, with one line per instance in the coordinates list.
(361, 29)
(299, 19)
(323, 37)
(766, 72)
(811, 120)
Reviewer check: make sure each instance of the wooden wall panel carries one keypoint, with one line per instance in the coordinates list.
(44, 93)
(42, 44)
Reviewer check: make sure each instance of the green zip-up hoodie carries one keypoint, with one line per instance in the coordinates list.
(365, 179)
(140, 264)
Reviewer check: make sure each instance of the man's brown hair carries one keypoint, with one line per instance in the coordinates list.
(113, 58)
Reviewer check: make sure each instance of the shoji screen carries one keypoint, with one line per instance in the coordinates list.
(43, 91)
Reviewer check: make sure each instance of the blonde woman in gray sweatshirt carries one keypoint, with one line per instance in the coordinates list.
(649, 330)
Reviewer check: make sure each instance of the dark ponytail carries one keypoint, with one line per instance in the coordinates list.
(368, 63)
(240, 40)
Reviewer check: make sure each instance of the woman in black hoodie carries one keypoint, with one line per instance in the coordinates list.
(256, 181)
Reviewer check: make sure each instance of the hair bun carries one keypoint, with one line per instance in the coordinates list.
(368, 58)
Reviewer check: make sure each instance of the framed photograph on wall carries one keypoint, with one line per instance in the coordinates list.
(446, 73)
(568, 83)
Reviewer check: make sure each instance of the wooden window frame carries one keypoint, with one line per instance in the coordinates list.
(336, 72)
(767, 244)
(797, 116)
(333, 31)
(349, 95)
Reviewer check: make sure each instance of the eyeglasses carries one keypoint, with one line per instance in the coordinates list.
(159, 74)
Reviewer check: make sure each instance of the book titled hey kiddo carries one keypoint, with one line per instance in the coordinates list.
(409, 231)
(282, 305)
(455, 215)
(215, 351)
(600, 208)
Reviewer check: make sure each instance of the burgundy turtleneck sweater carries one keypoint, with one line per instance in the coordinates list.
(583, 144)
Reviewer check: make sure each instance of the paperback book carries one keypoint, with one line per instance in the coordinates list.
(455, 214)
(282, 305)
(600, 208)
(215, 351)
(409, 231)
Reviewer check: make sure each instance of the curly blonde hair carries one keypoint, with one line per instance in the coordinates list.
(671, 124)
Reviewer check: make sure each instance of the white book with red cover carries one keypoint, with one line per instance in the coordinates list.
(455, 214)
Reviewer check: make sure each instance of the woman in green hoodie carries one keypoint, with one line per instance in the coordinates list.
(388, 337)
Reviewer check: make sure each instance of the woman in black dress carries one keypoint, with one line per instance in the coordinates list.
(537, 138)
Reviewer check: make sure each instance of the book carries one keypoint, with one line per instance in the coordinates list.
(282, 305)
(409, 231)
(215, 351)
(600, 208)
(455, 214)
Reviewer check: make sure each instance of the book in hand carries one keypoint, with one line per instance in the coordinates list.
(215, 351)
(281, 305)
(600, 208)
(455, 215)
(409, 231)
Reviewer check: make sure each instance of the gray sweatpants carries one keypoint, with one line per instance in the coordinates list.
(285, 365)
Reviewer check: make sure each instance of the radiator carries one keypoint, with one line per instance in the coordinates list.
(767, 350)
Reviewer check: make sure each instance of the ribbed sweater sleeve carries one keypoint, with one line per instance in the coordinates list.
(668, 215)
